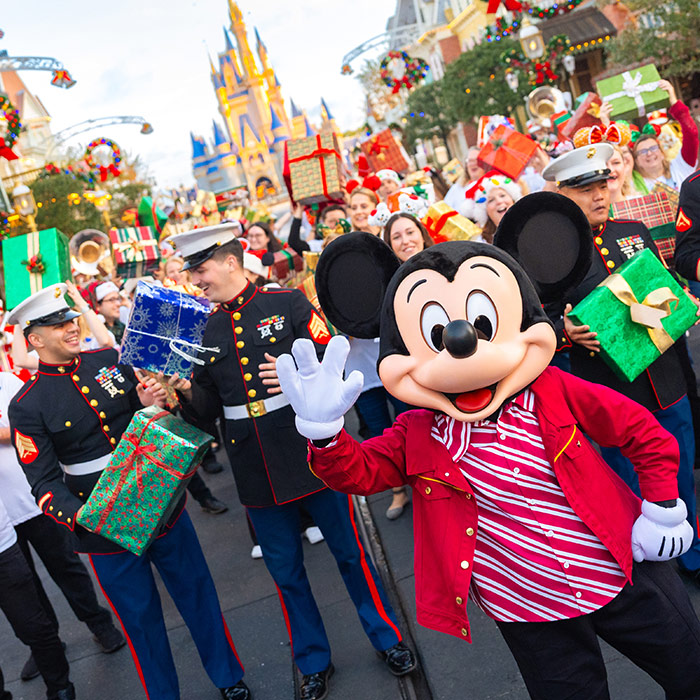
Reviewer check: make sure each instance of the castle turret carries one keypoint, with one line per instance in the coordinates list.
(250, 70)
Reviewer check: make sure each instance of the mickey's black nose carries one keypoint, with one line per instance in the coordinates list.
(459, 338)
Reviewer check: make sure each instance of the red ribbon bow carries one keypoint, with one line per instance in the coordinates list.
(319, 152)
(512, 5)
(434, 226)
(376, 147)
(542, 71)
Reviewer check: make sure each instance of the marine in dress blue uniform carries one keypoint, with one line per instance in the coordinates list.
(65, 422)
(270, 460)
(661, 388)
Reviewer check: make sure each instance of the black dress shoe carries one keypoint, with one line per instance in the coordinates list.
(213, 505)
(315, 686)
(65, 694)
(30, 670)
(240, 691)
(399, 659)
(109, 638)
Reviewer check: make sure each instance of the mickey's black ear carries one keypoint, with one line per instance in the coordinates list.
(352, 275)
(550, 237)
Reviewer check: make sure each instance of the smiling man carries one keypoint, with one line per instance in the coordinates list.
(581, 175)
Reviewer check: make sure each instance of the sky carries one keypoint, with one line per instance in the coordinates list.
(148, 58)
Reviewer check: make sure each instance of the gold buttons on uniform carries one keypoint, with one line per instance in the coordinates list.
(240, 344)
(470, 531)
(273, 339)
(598, 240)
(252, 393)
(50, 507)
(68, 424)
(85, 390)
(238, 329)
(428, 490)
(60, 513)
(105, 428)
(76, 378)
(113, 441)
(93, 402)
(233, 442)
(62, 369)
(464, 632)
(244, 360)
(68, 519)
(240, 300)
(81, 494)
(591, 354)
(236, 316)
(604, 251)
(212, 358)
(247, 376)
(458, 600)
(103, 414)
(465, 564)
(610, 264)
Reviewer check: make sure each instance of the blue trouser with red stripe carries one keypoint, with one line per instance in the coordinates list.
(277, 529)
(130, 588)
(678, 420)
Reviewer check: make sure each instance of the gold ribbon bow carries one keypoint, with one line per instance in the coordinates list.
(131, 248)
(648, 313)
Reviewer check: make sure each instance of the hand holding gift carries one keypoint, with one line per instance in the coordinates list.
(580, 334)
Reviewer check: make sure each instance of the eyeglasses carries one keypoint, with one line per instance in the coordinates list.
(648, 151)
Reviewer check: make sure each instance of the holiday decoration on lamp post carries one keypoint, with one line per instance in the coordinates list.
(540, 62)
(103, 167)
(398, 70)
(503, 28)
(9, 127)
(25, 205)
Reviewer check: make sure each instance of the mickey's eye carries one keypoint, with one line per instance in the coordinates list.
(433, 320)
(481, 313)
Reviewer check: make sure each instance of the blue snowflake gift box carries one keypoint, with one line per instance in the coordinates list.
(164, 331)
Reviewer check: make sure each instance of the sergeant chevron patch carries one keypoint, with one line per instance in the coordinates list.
(318, 329)
(26, 449)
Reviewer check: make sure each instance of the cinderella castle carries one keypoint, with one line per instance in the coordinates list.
(249, 151)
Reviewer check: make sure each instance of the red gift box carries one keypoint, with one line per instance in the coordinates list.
(286, 262)
(508, 151)
(136, 251)
(586, 114)
(652, 210)
(384, 152)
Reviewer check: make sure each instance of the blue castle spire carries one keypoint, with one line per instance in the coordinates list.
(329, 116)
(219, 137)
(309, 130)
(296, 112)
(227, 37)
(198, 148)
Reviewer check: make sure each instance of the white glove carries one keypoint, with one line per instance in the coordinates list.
(660, 534)
(318, 394)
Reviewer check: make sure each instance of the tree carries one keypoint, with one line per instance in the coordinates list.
(427, 114)
(474, 84)
(666, 32)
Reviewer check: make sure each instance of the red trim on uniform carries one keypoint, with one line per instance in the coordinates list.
(658, 400)
(694, 177)
(87, 401)
(126, 634)
(595, 245)
(230, 641)
(286, 617)
(368, 576)
(31, 383)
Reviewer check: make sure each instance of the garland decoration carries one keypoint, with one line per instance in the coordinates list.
(103, 170)
(502, 28)
(543, 71)
(414, 70)
(9, 116)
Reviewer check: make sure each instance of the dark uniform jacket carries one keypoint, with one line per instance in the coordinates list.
(663, 382)
(688, 228)
(268, 456)
(69, 414)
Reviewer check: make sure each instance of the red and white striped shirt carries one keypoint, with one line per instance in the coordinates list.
(535, 559)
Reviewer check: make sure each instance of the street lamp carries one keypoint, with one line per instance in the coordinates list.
(512, 80)
(569, 62)
(25, 205)
(531, 40)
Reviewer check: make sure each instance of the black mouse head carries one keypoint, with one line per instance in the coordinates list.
(461, 325)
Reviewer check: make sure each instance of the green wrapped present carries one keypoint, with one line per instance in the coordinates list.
(146, 475)
(638, 313)
(32, 262)
(633, 93)
(136, 251)
(151, 215)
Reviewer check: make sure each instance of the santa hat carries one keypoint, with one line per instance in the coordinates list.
(363, 168)
(476, 208)
(388, 174)
(102, 289)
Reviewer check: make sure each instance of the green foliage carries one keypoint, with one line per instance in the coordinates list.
(60, 214)
(431, 117)
(126, 196)
(667, 32)
(473, 70)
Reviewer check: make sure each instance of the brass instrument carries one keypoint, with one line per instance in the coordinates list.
(543, 102)
(91, 253)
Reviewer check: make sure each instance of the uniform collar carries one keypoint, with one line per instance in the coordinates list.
(241, 298)
(59, 370)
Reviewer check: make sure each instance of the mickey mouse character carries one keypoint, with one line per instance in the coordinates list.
(512, 505)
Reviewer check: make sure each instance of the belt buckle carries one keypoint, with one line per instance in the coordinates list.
(256, 408)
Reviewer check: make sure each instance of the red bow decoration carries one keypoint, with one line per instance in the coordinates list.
(376, 147)
(7, 153)
(512, 5)
(542, 71)
(109, 169)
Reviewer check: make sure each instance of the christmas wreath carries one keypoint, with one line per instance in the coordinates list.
(103, 170)
(8, 136)
(542, 71)
(414, 70)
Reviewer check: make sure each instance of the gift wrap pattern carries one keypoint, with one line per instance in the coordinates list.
(633, 93)
(445, 224)
(315, 169)
(383, 151)
(164, 331)
(144, 479)
(638, 313)
(20, 283)
(136, 250)
(508, 151)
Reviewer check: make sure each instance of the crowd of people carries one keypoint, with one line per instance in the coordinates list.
(52, 457)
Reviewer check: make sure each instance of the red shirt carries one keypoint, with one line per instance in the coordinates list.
(445, 514)
(535, 560)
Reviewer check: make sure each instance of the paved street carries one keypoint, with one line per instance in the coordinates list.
(453, 669)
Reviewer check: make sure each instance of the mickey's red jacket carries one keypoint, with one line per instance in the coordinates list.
(445, 515)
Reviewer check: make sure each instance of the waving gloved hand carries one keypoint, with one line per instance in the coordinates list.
(317, 391)
(660, 534)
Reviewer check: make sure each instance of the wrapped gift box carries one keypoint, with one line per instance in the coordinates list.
(508, 151)
(315, 168)
(151, 215)
(488, 124)
(384, 151)
(652, 210)
(32, 262)
(586, 114)
(445, 224)
(633, 93)
(672, 194)
(665, 238)
(146, 475)
(286, 263)
(560, 120)
(136, 251)
(638, 313)
(164, 331)
(308, 289)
